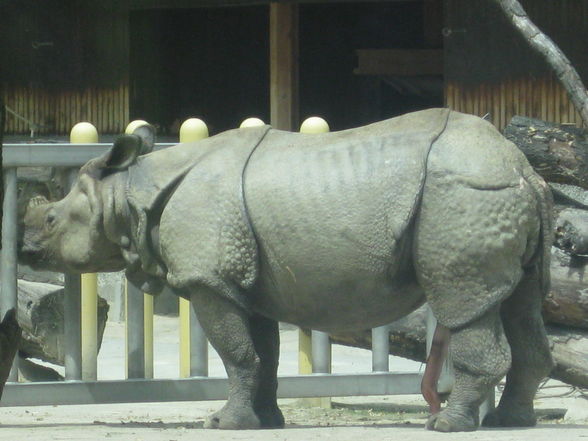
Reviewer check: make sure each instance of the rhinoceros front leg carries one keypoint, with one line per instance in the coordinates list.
(228, 329)
(266, 339)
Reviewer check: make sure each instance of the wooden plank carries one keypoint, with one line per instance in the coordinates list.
(524, 97)
(543, 100)
(284, 65)
(448, 95)
(404, 62)
(502, 123)
(556, 102)
(476, 101)
(516, 85)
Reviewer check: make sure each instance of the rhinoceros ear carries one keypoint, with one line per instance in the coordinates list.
(147, 134)
(124, 152)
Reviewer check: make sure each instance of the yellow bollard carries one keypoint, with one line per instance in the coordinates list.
(83, 133)
(148, 335)
(147, 298)
(312, 125)
(251, 122)
(133, 125)
(191, 130)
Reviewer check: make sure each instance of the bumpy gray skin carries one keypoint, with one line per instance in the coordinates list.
(334, 232)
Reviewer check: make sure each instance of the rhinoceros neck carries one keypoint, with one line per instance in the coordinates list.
(116, 209)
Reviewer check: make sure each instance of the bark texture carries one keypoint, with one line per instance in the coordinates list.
(559, 153)
(40, 314)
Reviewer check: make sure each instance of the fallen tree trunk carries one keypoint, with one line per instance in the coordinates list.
(568, 196)
(10, 334)
(559, 153)
(570, 353)
(40, 314)
(569, 347)
(567, 301)
(571, 231)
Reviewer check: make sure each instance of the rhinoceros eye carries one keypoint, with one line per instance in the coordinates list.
(50, 220)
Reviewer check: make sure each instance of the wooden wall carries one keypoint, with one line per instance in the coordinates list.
(542, 98)
(56, 112)
(64, 61)
(489, 68)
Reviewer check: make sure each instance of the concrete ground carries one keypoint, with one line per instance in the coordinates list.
(563, 412)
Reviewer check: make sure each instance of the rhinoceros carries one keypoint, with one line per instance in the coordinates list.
(336, 232)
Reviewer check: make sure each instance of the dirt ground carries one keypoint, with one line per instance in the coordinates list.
(371, 418)
(563, 411)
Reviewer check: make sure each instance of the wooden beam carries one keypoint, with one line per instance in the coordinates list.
(284, 65)
(399, 62)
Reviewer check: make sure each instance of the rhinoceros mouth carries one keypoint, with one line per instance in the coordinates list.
(36, 259)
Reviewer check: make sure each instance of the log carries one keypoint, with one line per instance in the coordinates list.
(571, 231)
(567, 302)
(570, 353)
(559, 153)
(40, 314)
(10, 335)
(569, 347)
(31, 371)
(569, 196)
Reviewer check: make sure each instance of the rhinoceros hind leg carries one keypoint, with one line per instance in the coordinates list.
(228, 329)
(266, 339)
(531, 357)
(481, 357)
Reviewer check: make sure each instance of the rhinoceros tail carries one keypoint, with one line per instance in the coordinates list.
(545, 206)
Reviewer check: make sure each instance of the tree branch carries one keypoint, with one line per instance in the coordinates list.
(540, 42)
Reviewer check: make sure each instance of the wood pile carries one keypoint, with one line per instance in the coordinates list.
(40, 315)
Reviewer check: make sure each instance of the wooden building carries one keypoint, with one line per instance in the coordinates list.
(352, 62)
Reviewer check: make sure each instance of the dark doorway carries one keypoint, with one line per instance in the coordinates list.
(210, 63)
(330, 35)
(213, 63)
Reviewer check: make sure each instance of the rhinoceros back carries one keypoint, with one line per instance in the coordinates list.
(191, 196)
(330, 212)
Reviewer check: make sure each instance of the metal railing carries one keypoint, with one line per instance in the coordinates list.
(140, 387)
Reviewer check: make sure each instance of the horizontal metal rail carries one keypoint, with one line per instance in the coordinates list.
(203, 388)
(55, 155)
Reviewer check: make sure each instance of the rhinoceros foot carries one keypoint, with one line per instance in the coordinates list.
(522, 416)
(450, 421)
(233, 417)
(270, 417)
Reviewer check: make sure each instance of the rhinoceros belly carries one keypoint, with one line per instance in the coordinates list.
(321, 296)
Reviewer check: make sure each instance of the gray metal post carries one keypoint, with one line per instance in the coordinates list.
(72, 317)
(198, 348)
(72, 310)
(135, 332)
(381, 349)
(8, 264)
(321, 352)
